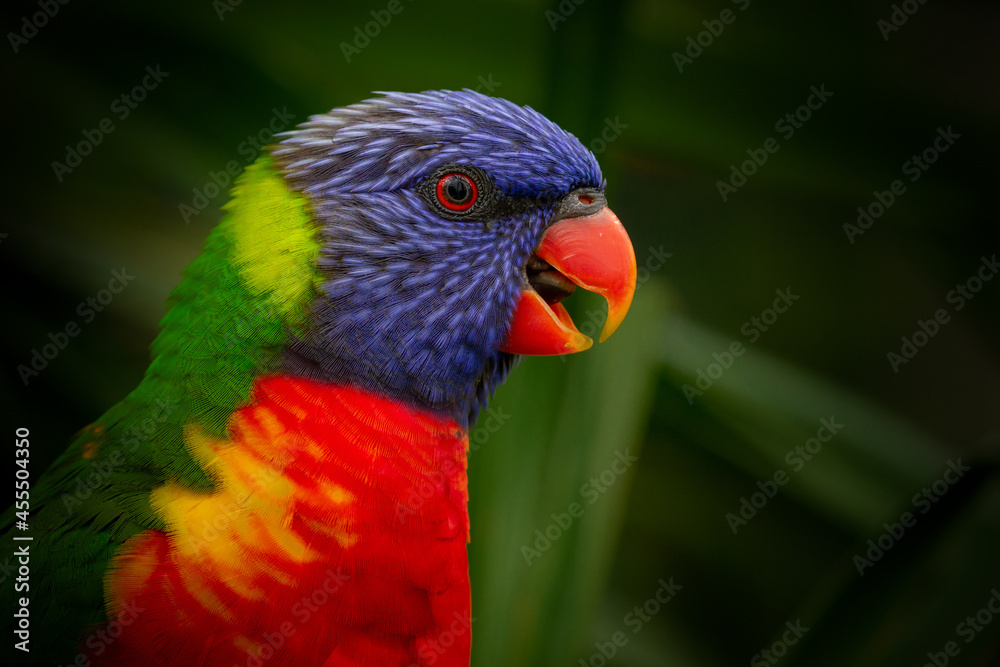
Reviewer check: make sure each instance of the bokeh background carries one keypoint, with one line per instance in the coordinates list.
(666, 135)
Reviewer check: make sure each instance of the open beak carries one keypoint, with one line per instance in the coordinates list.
(592, 252)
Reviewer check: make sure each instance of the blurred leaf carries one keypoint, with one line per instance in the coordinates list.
(571, 420)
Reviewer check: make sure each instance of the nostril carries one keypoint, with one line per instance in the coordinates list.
(586, 200)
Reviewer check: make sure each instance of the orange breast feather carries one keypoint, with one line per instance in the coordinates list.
(336, 535)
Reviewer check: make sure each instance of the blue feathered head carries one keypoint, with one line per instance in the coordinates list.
(433, 207)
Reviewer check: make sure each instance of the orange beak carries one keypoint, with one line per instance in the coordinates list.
(593, 252)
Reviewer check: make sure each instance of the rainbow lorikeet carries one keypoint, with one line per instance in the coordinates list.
(287, 484)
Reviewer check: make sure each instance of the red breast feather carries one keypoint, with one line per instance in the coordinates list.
(336, 535)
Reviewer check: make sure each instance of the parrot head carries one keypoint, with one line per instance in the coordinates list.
(452, 225)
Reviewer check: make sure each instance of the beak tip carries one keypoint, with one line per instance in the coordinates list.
(619, 303)
(611, 325)
(582, 345)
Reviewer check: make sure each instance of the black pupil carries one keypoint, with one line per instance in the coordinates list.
(457, 190)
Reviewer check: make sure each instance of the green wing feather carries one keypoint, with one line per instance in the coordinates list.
(226, 326)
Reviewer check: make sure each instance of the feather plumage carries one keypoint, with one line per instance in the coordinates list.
(305, 413)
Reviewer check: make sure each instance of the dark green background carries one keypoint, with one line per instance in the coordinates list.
(565, 419)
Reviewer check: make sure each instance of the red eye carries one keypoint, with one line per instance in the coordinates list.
(457, 192)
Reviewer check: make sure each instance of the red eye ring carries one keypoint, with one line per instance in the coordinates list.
(456, 192)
